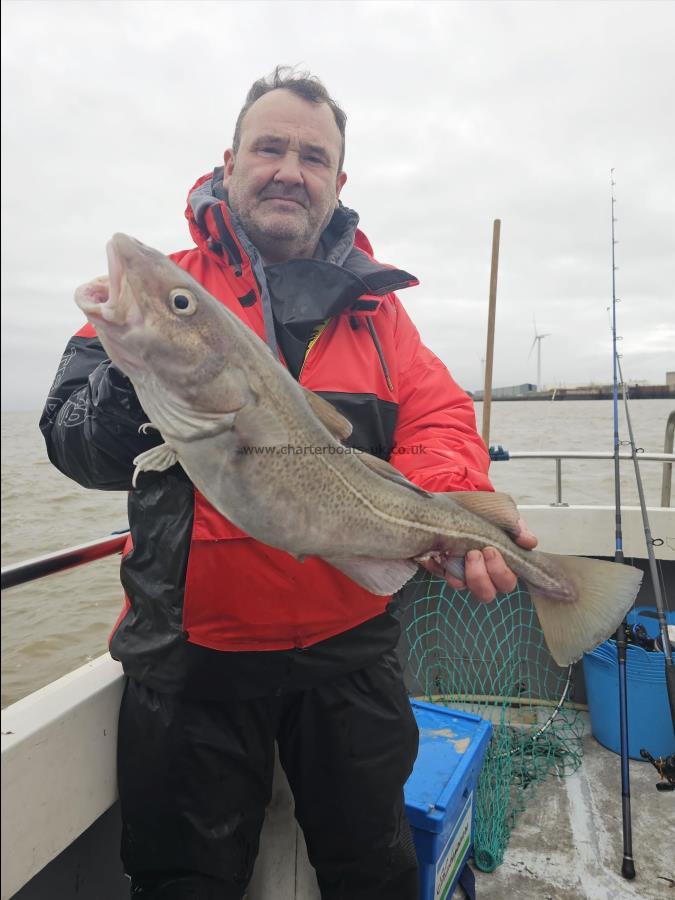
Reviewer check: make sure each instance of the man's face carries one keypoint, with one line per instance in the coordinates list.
(283, 183)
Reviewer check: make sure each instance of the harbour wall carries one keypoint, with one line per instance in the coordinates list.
(592, 392)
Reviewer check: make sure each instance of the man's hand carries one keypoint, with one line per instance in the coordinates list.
(486, 574)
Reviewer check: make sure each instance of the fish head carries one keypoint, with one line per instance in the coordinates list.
(159, 326)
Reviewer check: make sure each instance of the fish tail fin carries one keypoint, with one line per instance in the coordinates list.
(605, 592)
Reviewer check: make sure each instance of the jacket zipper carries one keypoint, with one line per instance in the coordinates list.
(318, 331)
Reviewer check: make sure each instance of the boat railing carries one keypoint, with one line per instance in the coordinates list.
(61, 560)
(667, 478)
(498, 454)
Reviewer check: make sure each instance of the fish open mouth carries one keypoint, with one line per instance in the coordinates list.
(93, 294)
(101, 300)
(111, 321)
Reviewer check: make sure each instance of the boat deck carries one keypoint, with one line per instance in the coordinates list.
(568, 843)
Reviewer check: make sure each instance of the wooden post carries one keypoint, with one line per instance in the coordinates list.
(487, 390)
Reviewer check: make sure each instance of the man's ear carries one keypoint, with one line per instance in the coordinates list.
(228, 159)
(340, 183)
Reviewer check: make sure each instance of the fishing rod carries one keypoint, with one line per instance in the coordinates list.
(651, 543)
(627, 866)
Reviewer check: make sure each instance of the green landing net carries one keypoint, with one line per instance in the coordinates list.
(491, 660)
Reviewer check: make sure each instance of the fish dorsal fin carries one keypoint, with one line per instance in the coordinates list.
(497, 508)
(386, 470)
(334, 421)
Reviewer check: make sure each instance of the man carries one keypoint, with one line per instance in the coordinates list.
(229, 644)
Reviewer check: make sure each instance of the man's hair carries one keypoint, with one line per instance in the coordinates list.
(302, 84)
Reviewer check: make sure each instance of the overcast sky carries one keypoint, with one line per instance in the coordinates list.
(458, 113)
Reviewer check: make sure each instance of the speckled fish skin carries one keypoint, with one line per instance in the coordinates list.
(247, 435)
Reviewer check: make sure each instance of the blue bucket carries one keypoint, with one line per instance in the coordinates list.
(649, 721)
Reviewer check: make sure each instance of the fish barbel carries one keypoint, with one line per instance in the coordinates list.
(268, 455)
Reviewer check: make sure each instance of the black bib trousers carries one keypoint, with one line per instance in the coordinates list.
(195, 778)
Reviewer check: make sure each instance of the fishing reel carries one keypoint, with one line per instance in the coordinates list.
(665, 766)
(637, 634)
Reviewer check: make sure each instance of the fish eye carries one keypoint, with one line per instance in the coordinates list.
(183, 302)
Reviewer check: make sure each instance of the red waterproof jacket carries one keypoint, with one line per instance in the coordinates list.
(219, 589)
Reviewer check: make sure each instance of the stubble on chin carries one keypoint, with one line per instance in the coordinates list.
(270, 233)
(276, 234)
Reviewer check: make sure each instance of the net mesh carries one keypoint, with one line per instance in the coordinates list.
(491, 660)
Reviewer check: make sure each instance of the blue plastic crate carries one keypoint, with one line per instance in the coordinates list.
(440, 793)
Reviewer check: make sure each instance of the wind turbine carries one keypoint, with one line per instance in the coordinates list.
(538, 338)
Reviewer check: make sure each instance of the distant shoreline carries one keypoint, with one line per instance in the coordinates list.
(635, 392)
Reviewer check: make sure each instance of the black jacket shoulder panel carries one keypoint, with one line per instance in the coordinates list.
(91, 419)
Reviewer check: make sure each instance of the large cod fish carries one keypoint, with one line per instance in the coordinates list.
(269, 456)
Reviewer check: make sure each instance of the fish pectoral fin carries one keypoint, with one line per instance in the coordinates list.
(147, 427)
(157, 459)
(379, 576)
(219, 426)
(334, 421)
(500, 509)
(605, 592)
(386, 470)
